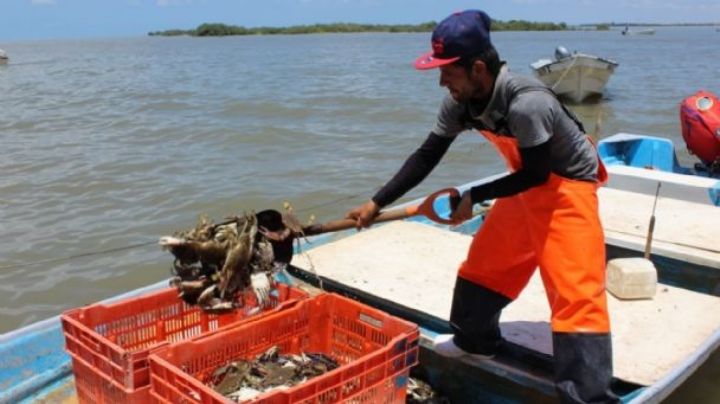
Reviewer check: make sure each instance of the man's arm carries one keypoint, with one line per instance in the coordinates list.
(415, 169)
(530, 119)
(535, 171)
(450, 122)
(536, 168)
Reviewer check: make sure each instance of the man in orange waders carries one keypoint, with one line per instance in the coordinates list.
(545, 215)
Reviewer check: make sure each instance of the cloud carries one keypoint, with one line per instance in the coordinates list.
(43, 2)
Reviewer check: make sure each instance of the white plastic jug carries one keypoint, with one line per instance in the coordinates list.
(631, 278)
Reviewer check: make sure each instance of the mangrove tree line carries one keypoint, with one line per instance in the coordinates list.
(219, 29)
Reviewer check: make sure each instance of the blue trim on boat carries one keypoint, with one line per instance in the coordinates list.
(673, 379)
(714, 194)
(33, 358)
(61, 390)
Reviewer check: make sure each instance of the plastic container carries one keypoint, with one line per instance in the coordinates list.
(375, 352)
(95, 388)
(631, 278)
(115, 339)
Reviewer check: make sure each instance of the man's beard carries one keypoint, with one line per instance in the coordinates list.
(475, 94)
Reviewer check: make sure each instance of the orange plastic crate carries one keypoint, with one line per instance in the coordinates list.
(115, 339)
(374, 349)
(95, 388)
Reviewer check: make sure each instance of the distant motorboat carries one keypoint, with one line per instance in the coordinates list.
(647, 31)
(3, 57)
(574, 76)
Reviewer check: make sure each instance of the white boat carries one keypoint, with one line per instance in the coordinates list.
(647, 31)
(3, 57)
(574, 76)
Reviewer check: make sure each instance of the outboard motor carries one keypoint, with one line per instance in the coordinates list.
(700, 121)
(561, 53)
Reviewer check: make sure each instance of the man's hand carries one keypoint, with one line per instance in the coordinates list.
(363, 214)
(463, 211)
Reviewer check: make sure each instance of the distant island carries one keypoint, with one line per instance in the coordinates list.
(218, 29)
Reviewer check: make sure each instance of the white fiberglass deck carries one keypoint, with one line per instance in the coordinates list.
(415, 265)
(684, 230)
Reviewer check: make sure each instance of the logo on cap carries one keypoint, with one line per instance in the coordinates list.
(438, 47)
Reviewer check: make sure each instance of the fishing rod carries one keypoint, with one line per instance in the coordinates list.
(651, 227)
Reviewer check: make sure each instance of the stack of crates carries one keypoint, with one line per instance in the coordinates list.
(109, 343)
(375, 352)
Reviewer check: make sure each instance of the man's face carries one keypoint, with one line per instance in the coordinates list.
(462, 84)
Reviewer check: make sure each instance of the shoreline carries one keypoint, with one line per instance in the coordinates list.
(220, 29)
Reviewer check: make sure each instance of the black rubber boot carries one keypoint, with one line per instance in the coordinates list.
(475, 317)
(583, 367)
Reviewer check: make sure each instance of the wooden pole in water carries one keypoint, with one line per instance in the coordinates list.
(651, 227)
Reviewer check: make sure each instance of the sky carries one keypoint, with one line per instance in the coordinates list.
(50, 19)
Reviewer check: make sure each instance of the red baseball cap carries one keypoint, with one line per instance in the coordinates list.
(462, 34)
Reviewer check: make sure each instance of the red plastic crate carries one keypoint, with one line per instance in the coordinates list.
(115, 339)
(95, 388)
(374, 349)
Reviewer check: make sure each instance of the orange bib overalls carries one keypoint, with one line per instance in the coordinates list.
(554, 226)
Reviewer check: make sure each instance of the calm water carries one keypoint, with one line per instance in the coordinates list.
(113, 143)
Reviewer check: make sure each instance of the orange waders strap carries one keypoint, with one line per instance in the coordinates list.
(507, 147)
(602, 174)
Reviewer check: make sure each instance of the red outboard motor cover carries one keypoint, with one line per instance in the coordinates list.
(700, 121)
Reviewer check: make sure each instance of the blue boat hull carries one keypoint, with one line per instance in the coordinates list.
(654, 160)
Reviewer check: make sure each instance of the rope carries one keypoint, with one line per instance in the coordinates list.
(145, 244)
(332, 202)
(312, 267)
(84, 255)
(567, 70)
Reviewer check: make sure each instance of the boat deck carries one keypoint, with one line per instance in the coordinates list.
(684, 230)
(415, 265)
